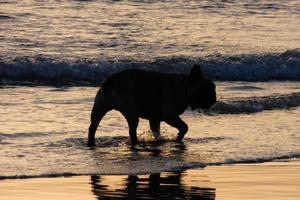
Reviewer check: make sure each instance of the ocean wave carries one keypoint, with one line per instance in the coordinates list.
(246, 67)
(256, 104)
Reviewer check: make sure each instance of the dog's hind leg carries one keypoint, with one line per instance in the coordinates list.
(100, 108)
(155, 128)
(180, 125)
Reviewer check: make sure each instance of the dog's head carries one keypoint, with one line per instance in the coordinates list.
(201, 91)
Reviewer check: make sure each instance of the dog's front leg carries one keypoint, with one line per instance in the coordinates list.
(178, 123)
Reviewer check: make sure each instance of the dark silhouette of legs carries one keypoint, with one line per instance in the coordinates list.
(133, 122)
(155, 127)
(100, 108)
(180, 125)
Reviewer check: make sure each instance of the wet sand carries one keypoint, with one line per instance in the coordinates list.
(273, 180)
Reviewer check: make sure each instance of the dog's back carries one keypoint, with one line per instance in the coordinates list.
(150, 94)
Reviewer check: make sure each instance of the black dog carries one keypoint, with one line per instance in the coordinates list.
(154, 96)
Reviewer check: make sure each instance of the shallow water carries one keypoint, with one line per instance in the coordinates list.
(44, 133)
(273, 180)
(71, 44)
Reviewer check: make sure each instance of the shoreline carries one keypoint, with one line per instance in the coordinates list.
(270, 180)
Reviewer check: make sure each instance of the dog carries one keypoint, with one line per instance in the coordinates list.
(153, 96)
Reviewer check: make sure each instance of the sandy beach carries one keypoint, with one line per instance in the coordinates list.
(273, 180)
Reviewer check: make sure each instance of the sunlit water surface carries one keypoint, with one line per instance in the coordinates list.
(146, 29)
(44, 132)
(43, 129)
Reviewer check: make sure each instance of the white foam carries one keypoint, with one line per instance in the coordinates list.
(257, 104)
(249, 67)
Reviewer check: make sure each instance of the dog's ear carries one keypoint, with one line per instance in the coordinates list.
(195, 74)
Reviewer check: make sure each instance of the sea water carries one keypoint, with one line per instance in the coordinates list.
(55, 54)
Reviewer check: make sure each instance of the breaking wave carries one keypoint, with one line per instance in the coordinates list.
(246, 67)
(257, 104)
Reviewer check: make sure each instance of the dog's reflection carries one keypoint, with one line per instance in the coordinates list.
(167, 185)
